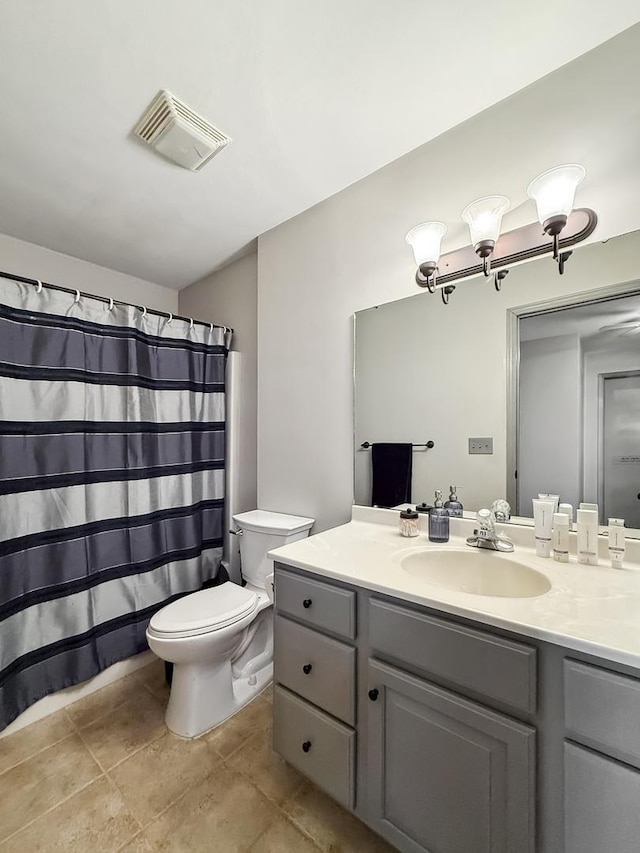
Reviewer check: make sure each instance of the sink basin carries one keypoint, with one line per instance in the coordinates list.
(475, 571)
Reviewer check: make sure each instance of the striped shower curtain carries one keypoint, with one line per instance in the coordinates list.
(111, 481)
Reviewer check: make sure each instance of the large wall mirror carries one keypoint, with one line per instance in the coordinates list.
(549, 369)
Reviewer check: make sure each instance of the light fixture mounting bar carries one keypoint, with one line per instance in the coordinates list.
(521, 244)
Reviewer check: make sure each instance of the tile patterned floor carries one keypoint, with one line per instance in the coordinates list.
(105, 776)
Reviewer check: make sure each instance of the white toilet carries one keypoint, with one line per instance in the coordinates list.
(220, 640)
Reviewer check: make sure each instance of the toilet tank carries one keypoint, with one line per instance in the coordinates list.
(262, 531)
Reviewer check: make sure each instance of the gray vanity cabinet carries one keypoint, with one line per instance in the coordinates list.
(446, 736)
(446, 775)
(602, 803)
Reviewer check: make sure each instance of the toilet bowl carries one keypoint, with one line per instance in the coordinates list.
(220, 640)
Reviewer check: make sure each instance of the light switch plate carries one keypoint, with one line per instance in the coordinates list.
(480, 445)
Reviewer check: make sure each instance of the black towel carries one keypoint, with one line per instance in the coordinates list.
(391, 467)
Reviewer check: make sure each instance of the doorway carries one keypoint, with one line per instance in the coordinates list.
(620, 447)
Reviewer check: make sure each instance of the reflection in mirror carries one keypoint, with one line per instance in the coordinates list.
(579, 406)
(425, 371)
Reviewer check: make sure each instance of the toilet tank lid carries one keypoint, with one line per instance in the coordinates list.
(208, 608)
(263, 521)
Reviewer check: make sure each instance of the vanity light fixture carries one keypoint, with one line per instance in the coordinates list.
(425, 240)
(562, 226)
(554, 192)
(484, 218)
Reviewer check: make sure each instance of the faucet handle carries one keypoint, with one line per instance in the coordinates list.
(485, 518)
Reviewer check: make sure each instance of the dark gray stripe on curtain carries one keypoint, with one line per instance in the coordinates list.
(62, 374)
(43, 455)
(116, 475)
(100, 358)
(100, 427)
(26, 577)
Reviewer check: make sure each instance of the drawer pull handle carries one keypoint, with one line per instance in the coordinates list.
(306, 746)
(307, 668)
(306, 603)
(373, 694)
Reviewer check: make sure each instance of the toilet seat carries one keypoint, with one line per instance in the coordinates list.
(204, 611)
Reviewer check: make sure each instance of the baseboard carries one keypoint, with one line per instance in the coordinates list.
(56, 701)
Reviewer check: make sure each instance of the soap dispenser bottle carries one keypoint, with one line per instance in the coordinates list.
(438, 521)
(453, 505)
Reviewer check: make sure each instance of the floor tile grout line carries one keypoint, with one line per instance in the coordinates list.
(120, 792)
(51, 808)
(37, 752)
(113, 709)
(279, 806)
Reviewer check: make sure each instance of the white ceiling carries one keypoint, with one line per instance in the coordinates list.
(316, 95)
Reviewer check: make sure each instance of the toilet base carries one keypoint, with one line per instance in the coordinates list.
(199, 703)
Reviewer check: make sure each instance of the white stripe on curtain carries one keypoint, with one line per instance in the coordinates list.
(79, 401)
(27, 513)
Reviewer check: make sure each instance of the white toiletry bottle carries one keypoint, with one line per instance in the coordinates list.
(587, 537)
(567, 509)
(561, 537)
(616, 542)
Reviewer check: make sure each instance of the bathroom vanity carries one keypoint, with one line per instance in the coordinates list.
(444, 730)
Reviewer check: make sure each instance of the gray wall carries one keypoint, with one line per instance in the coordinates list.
(550, 437)
(33, 261)
(229, 297)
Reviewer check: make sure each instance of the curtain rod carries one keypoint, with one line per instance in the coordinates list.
(74, 291)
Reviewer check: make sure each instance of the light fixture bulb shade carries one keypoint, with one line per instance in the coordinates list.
(484, 218)
(554, 191)
(425, 240)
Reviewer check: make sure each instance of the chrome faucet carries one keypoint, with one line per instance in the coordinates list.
(486, 536)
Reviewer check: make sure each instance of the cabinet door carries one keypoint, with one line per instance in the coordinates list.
(602, 798)
(447, 775)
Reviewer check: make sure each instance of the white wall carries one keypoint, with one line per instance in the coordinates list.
(33, 261)
(229, 298)
(348, 253)
(550, 435)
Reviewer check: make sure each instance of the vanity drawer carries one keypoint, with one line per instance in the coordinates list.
(490, 666)
(315, 744)
(320, 669)
(602, 710)
(316, 603)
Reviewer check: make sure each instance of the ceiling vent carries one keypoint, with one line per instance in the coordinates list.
(179, 133)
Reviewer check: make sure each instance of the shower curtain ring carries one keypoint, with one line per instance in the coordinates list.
(191, 322)
(38, 286)
(170, 320)
(76, 298)
(110, 307)
(211, 328)
(143, 308)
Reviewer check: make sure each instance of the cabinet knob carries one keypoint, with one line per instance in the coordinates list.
(306, 746)
(306, 603)
(307, 668)
(373, 694)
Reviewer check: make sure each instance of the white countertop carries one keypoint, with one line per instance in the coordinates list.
(592, 609)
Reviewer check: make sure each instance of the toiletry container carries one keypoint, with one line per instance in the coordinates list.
(438, 521)
(616, 542)
(560, 537)
(409, 522)
(453, 505)
(587, 528)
